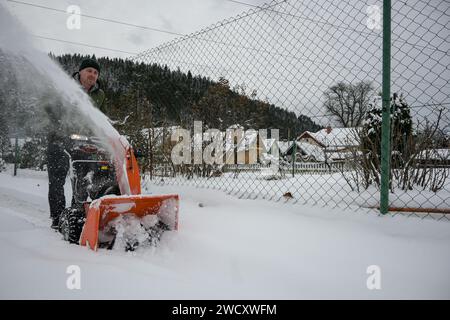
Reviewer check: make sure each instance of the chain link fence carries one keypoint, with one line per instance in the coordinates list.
(312, 70)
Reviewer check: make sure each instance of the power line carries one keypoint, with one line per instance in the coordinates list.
(155, 29)
(398, 39)
(120, 22)
(98, 18)
(114, 21)
(82, 44)
(267, 8)
(107, 20)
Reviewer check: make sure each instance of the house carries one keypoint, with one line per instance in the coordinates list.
(328, 144)
(335, 139)
(305, 152)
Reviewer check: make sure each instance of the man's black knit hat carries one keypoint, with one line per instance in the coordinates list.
(89, 63)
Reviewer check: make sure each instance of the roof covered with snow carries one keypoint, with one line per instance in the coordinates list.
(311, 150)
(336, 137)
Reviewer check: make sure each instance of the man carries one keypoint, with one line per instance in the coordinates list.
(57, 158)
(88, 77)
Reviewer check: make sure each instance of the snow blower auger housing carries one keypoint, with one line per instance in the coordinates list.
(105, 209)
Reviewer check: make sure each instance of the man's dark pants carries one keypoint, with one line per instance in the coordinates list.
(57, 166)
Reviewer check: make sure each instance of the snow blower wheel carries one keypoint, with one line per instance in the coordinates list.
(71, 224)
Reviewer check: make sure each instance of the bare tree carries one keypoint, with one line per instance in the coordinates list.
(349, 102)
(425, 166)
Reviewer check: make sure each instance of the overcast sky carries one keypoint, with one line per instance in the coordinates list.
(177, 16)
(290, 56)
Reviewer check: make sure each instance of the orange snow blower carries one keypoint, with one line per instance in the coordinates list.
(104, 210)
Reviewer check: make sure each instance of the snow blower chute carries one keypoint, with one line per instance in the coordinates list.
(104, 210)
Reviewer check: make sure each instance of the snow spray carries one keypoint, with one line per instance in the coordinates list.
(36, 77)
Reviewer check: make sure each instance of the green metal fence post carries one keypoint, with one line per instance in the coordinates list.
(386, 125)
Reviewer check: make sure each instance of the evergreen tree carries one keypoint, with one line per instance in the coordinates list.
(401, 126)
(370, 137)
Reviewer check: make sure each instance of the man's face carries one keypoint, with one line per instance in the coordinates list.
(88, 77)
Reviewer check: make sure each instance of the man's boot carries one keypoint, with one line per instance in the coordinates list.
(55, 223)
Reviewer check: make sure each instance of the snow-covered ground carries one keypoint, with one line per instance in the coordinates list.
(226, 248)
